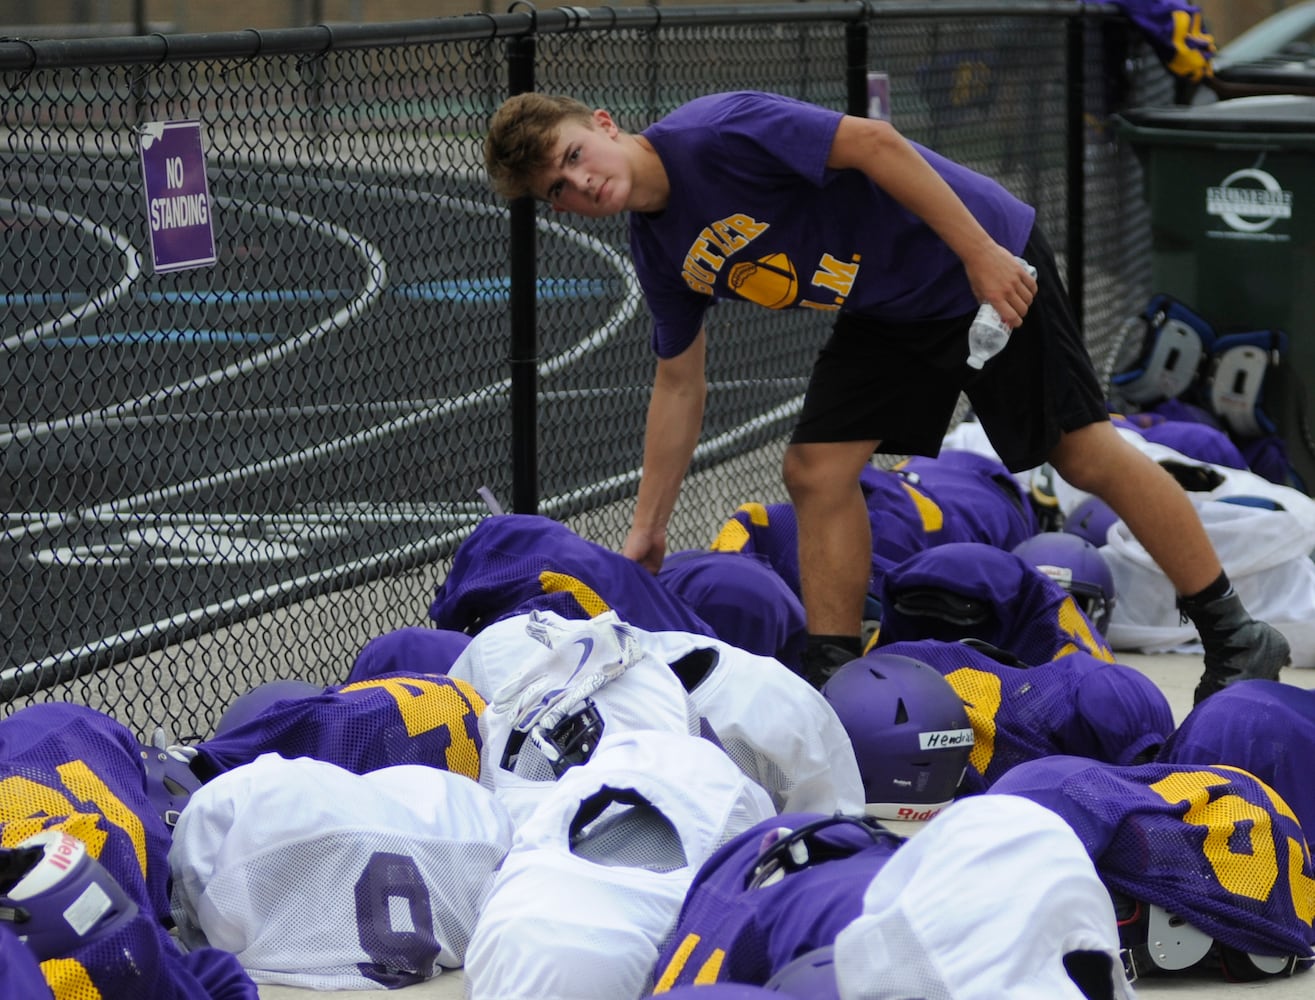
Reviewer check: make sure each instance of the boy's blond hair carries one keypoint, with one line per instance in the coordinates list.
(521, 136)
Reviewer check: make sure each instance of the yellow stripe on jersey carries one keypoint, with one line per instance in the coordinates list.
(585, 596)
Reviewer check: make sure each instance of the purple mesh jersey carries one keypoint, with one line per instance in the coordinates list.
(742, 597)
(729, 932)
(69, 767)
(1213, 845)
(768, 530)
(1267, 728)
(970, 590)
(957, 497)
(1077, 705)
(982, 500)
(512, 564)
(141, 959)
(756, 214)
(361, 727)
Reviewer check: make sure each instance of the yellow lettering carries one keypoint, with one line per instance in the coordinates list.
(746, 226)
(980, 692)
(26, 807)
(836, 275)
(69, 979)
(932, 517)
(1073, 623)
(1303, 887)
(725, 238)
(79, 779)
(1250, 873)
(700, 252)
(699, 274)
(425, 705)
(818, 306)
(711, 969)
(733, 537)
(677, 964)
(585, 596)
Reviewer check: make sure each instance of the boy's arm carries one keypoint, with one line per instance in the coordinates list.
(675, 418)
(879, 151)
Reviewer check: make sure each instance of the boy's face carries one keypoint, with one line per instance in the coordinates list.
(588, 172)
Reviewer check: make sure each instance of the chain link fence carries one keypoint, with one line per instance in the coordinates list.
(226, 474)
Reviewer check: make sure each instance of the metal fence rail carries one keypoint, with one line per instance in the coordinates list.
(221, 475)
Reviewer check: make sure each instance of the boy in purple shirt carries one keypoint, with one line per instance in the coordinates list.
(790, 205)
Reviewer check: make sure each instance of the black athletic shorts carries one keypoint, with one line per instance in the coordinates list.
(899, 383)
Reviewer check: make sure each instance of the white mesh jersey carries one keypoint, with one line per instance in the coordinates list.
(323, 879)
(595, 879)
(512, 663)
(983, 903)
(774, 724)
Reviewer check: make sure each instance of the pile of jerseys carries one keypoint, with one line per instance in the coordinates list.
(641, 812)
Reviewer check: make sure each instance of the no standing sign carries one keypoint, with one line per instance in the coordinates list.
(178, 209)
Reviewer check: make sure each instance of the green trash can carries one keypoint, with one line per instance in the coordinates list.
(1231, 189)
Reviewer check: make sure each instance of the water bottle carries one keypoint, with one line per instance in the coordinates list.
(989, 332)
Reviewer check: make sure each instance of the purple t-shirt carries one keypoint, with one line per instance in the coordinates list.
(756, 214)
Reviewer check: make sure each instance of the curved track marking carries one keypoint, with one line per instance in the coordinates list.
(132, 269)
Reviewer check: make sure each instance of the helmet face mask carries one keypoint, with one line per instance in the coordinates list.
(793, 850)
(170, 780)
(1079, 567)
(1152, 940)
(910, 731)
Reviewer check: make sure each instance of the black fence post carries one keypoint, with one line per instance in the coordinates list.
(1076, 161)
(524, 356)
(856, 67)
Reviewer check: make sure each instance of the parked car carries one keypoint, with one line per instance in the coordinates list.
(1285, 37)
(1274, 56)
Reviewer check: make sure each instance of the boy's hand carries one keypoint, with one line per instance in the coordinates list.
(646, 547)
(998, 278)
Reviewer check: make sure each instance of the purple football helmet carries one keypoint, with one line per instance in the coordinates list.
(1077, 566)
(1092, 520)
(57, 897)
(910, 732)
(811, 976)
(169, 778)
(247, 706)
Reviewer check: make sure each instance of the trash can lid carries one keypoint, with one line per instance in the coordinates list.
(1265, 113)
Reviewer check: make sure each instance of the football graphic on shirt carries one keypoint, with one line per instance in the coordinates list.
(769, 281)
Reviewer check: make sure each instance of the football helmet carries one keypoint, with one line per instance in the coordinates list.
(1238, 369)
(170, 781)
(1151, 940)
(57, 897)
(1077, 566)
(572, 741)
(1172, 349)
(1092, 520)
(250, 704)
(811, 976)
(910, 732)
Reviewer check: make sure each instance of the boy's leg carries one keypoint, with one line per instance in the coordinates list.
(835, 548)
(1162, 518)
